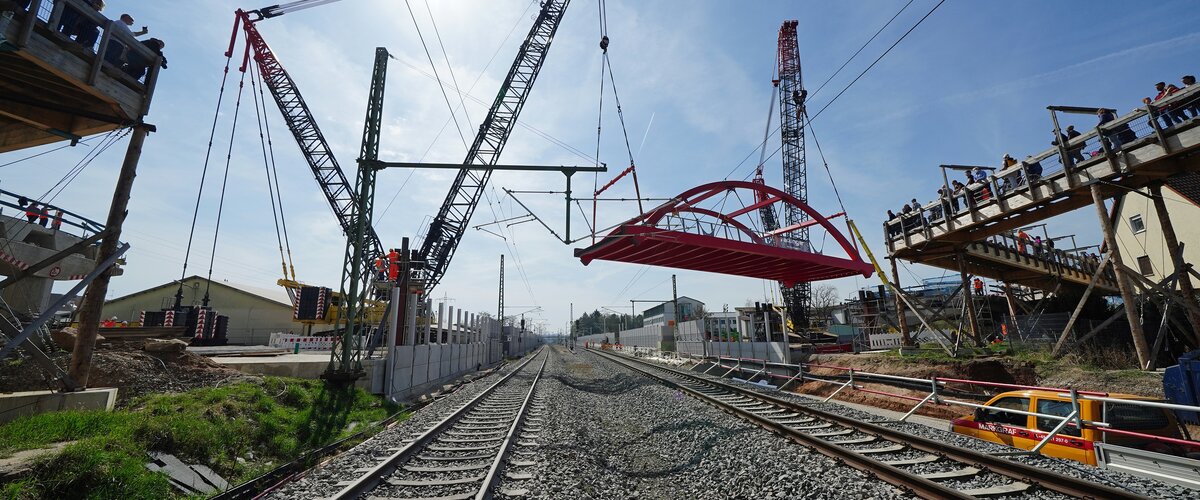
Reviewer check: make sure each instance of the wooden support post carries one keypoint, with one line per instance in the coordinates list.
(1087, 292)
(1110, 241)
(968, 298)
(1185, 281)
(91, 307)
(901, 313)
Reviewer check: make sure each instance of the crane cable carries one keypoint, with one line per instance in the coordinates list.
(204, 172)
(224, 183)
(606, 66)
(260, 112)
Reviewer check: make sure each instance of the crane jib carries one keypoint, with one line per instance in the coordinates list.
(448, 227)
(338, 190)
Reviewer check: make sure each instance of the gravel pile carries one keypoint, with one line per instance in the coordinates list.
(1142, 486)
(609, 432)
(322, 481)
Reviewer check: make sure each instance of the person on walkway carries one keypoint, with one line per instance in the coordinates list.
(86, 30)
(138, 65)
(109, 323)
(1009, 160)
(1156, 114)
(23, 204)
(1022, 240)
(1119, 135)
(978, 287)
(31, 212)
(44, 215)
(115, 52)
(1193, 104)
(1171, 114)
(1075, 151)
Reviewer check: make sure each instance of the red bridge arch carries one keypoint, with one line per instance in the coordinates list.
(665, 236)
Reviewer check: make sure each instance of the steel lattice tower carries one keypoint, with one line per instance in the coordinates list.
(795, 172)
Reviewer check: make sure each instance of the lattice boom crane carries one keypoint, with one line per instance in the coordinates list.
(792, 95)
(448, 227)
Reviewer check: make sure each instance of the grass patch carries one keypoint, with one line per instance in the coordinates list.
(265, 423)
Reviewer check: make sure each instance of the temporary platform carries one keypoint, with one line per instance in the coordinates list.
(53, 88)
(1139, 152)
(682, 234)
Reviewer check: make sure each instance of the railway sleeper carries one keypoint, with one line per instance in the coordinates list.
(999, 490)
(452, 468)
(952, 474)
(435, 482)
(924, 459)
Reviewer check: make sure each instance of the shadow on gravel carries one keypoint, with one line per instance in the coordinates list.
(649, 466)
(605, 386)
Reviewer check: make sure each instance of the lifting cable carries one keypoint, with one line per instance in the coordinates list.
(606, 66)
(224, 182)
(204, 171)
(260, 113)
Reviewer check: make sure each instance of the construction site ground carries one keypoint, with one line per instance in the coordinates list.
(1024, 370)
(133, 371)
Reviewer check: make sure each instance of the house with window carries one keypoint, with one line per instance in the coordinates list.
(664, 313)
(1140, 235)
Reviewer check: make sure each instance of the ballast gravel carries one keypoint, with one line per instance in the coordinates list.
(609, 432)
(1142, 486)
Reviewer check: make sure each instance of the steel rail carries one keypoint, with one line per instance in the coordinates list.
(916, 484)
(1049, 480)
(493, 475)
(371, 478)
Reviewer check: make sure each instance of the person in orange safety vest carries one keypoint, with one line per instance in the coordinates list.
(393, 257)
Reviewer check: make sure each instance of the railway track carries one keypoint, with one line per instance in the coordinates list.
(926, 467)
(463, 455)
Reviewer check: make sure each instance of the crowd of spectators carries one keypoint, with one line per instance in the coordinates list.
(984, 183)
(80, 28)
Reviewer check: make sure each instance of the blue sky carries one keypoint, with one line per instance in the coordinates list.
(969, 85)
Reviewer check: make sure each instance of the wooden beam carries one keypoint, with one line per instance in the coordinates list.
(1123, 280)
(1062, 339)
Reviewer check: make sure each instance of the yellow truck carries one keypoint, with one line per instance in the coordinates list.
(1026, 431)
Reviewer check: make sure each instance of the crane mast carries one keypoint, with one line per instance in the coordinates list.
(448, 227)
(795, 173)
(345, 361)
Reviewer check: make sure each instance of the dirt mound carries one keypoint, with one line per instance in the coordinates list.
(125, 366)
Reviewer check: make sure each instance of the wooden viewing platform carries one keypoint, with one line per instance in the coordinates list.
(53, 88)
(1139, 152)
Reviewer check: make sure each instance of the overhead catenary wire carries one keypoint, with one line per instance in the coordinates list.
(441, 87)
(844, 89)
(877, 59)
(860, 49)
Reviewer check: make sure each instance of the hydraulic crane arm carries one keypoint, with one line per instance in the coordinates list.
(448, 227)
(339, 192)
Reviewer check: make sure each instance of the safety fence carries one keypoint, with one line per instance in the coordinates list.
(937, 388)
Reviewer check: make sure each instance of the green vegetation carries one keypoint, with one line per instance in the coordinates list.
(264, 423)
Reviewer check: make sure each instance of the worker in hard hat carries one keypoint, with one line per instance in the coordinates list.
(379, 269)
(393, 258)
(109, 323)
